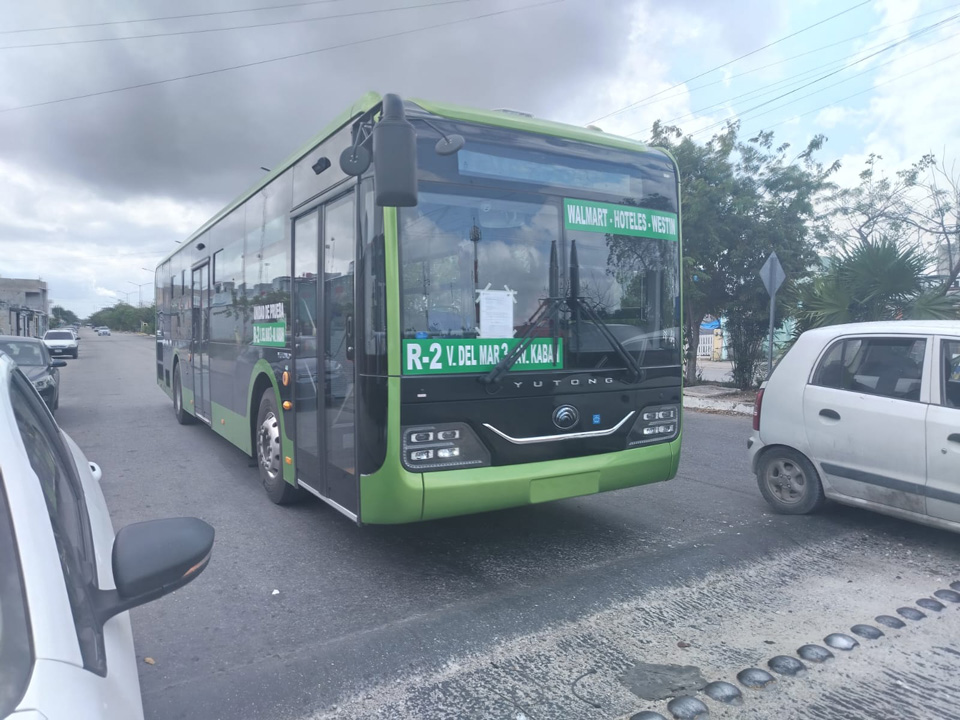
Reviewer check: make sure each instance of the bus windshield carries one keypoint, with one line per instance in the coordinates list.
(476, 267)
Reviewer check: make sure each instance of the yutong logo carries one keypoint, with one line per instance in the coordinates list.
(568, 382)
(565, 417)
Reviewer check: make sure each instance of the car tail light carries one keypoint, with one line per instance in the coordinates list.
(756, 410)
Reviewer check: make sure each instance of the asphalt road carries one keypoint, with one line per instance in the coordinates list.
(539, 612)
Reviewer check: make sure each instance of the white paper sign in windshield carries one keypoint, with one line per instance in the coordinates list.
(496, 313)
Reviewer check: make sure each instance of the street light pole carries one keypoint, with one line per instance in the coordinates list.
(139, 291)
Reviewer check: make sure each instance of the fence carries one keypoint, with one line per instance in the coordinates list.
(705, 347)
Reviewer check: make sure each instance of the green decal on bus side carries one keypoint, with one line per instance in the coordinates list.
(619, 219)
(270, 334)
(438, 356)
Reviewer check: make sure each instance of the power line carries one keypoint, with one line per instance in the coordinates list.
(862, 92)
(911, 36)
(841, 82)
(280, 58)
(803, 54)
(236, 27)
(168, 17)
(765, 89)
(731, 62)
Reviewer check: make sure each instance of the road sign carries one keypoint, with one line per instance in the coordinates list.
(772, 274)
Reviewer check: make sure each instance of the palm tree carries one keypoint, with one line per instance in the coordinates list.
(871, 280)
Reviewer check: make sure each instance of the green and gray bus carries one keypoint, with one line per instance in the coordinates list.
(430, 311)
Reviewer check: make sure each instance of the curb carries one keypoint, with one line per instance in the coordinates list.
(729, 406)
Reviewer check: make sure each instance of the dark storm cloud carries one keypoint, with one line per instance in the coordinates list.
(204, 139)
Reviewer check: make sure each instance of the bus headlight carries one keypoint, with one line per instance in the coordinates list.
(656, 423)
(442, 447)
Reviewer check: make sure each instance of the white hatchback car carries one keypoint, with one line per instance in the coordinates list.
(865, 414)
(66, 582)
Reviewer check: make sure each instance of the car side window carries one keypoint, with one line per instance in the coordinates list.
(834, 368)
(950, 380)
(53, 464)
(887, 366)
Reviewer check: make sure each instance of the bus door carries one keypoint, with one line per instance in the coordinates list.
(324, 253)
(199, 341)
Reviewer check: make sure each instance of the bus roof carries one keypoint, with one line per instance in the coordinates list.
(497, 118)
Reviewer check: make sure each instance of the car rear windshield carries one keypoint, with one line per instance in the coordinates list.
(58, 335)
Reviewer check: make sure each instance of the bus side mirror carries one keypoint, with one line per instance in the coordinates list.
(394, 156)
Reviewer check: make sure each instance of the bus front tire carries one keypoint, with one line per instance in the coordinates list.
(183, 417)
(270, 454)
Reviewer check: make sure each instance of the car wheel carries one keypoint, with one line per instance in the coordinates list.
(269, 453)
(76, 353)
(789, 482)
(183, 417)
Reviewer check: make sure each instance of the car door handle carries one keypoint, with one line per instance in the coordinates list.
(828, 413)
(954, 437)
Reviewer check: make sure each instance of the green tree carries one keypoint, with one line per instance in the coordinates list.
(126, 317)
(62, 316)
(873, 279)
(740, 202)
(937, 217)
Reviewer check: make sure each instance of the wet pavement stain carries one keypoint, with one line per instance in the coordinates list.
(659, 682)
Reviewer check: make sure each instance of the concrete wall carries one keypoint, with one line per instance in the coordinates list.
(23, 307)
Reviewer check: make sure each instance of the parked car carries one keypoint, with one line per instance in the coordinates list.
(67, 581)
(867, 415)
(62, 342)
(31, 356)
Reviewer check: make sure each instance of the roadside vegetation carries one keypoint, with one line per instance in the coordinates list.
(887, 248)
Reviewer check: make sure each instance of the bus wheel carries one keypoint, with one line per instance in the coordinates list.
(183, 417)
(269, 454)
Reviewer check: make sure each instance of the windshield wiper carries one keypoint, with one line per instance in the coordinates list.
(577, 305)
(548, 311)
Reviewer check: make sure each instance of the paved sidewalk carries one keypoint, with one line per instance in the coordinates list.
(711, 371)
(718, 399)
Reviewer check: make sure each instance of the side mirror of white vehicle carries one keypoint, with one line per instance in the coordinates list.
(95, 469)
(152, 559)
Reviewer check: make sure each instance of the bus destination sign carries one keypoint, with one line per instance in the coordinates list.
(439, 356)
(619, 219)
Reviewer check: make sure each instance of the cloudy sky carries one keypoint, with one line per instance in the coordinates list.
(97, 182)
